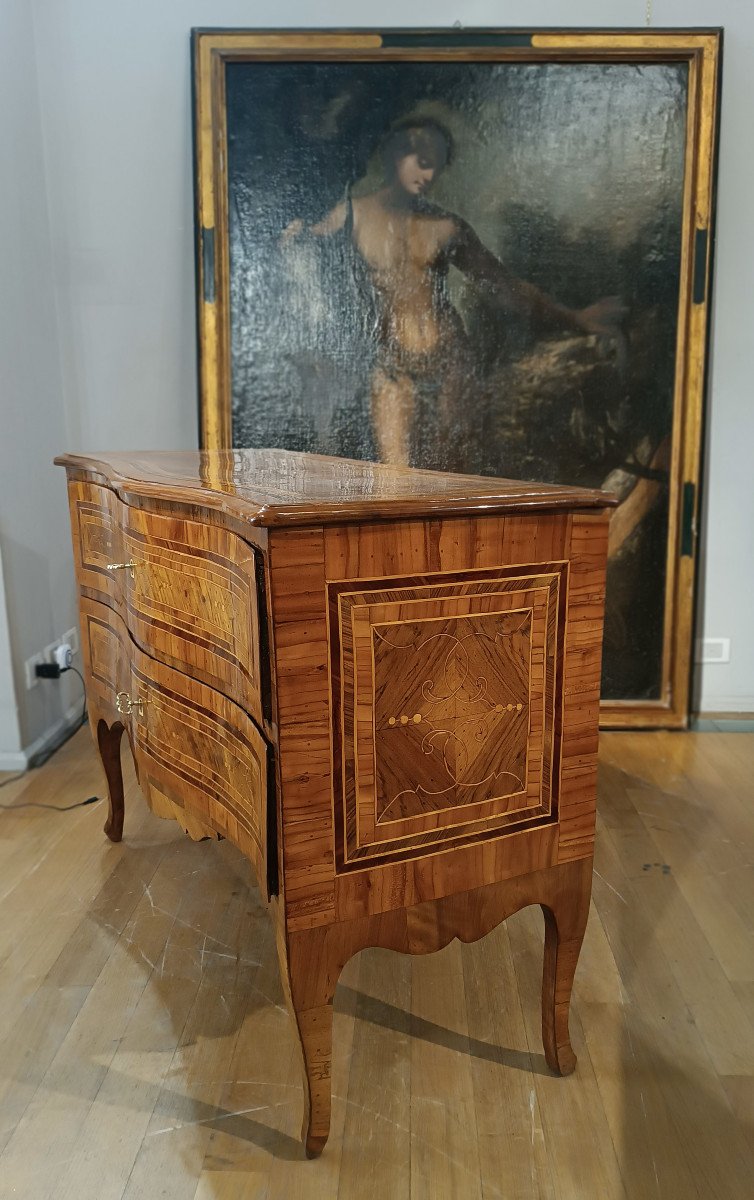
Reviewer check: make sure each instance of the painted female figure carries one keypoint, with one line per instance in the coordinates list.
(402, 248)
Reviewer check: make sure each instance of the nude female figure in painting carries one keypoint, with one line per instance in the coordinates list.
(403, 247)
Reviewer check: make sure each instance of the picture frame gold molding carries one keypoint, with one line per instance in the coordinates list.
(701, 49)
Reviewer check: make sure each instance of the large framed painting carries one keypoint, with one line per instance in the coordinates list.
(478, 251)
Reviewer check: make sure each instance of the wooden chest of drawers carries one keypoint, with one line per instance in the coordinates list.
(381, 684)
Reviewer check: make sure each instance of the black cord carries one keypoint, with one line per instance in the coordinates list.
(43, 756)
(83, 685)
(53, 807)
(13, 778)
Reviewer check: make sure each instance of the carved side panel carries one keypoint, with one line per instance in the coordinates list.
(445, 709)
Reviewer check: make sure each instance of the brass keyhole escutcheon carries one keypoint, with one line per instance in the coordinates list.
(126, 704)
(126, 566)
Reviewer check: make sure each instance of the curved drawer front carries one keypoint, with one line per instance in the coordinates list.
(191, 744)
(192, 601)
(97, 542)
(186, 591)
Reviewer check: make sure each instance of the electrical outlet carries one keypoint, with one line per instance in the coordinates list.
(713, 650)
(63, 656)
(72, 637)
(30, 666)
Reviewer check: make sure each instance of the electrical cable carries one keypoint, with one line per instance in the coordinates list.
(53, 671)
(52, 807)
(83, 686)
(81, 677)
(23, 774)
(13, 778)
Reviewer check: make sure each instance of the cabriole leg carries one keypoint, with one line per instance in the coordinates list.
(315, 1036)
(565, 923)
(108, 741)
(310, 965)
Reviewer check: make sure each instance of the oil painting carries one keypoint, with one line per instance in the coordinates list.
(472, 262)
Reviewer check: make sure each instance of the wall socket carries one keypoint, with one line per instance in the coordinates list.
(713, 650)
(71, 636)
(30, 670)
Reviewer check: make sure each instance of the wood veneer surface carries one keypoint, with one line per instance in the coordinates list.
(374, 566)
(189, 595)
(144, 1047)
(194, 748)
(280, 487)
(402, 816)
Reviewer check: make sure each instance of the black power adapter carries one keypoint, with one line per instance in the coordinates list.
(47, 670)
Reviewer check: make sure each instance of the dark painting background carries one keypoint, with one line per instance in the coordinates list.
(573, 175)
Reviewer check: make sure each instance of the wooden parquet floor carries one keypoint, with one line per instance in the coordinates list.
(145, 1052)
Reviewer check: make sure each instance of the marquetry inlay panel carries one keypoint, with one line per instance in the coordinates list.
(446, 708)
(97, 541)
(425, 761)
(451, 711)
(193, 596)
(188, 594)
(190, 743)
(223, 764)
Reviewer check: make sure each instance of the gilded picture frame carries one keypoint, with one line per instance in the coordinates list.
(572, 212)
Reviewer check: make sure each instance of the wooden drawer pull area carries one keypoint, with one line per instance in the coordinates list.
(127, 566)
(126, 704)
(97, 542)
(187, 592)
(192, 745)
(191, 601)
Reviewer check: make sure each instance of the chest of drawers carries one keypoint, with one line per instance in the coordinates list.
(381, 684)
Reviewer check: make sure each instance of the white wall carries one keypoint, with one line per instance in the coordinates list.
(103, 126)
(10, 734)
(728, 529)
(34, 537)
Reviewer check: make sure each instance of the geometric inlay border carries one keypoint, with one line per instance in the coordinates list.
(446, 708)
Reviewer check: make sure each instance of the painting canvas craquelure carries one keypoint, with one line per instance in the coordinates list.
(471, 266)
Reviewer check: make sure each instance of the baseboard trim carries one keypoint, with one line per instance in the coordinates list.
(734, 705)
(21, 760)
(726, 714)
(725, 723)
(12, 760)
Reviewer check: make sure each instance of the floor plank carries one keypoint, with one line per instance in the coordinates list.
(145, 1050)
